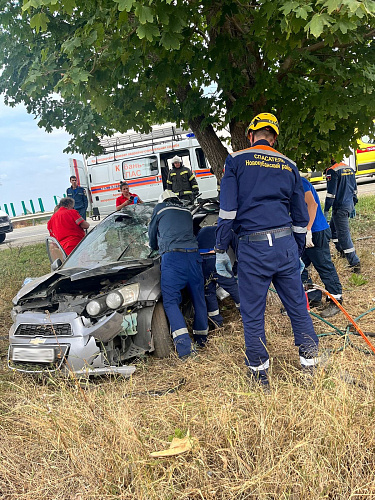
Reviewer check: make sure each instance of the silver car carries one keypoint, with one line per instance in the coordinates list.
(98, 309)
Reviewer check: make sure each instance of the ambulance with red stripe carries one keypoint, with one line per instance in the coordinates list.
(143, 161)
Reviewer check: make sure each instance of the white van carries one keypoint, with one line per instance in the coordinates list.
(143, 160)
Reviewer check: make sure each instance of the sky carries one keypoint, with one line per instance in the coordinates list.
(32, 162)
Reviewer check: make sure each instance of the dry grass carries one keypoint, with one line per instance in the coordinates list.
(306, 440)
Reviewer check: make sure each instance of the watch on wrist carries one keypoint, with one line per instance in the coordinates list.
(219, 250)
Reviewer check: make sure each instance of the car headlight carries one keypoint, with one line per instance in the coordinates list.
(130, 293)
(114, 300)
(95, 307)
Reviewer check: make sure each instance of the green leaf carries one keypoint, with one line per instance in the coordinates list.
(317, 23)
(71, 44)
(39, 22)
(148, 31)
(32, 3)
(125, 5)
(144, 14)
(68, 6)
(170, 41)
(333, 5)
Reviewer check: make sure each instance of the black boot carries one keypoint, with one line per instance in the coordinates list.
(356, 269)
(331, 309)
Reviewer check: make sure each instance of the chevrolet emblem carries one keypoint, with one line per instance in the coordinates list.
(37, 341)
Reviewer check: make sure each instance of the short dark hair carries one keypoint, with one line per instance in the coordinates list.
(66, 202)
(72, 177)
(266, 132)
(123, 183)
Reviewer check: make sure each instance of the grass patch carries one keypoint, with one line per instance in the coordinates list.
(310, 438)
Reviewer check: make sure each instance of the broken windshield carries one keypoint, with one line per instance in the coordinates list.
(122, 236)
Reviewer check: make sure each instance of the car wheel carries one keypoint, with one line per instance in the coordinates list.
(2, 237)
(163, 342)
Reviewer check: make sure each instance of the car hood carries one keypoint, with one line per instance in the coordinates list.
(74, 274)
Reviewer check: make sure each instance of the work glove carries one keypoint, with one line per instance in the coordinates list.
(309, 241)
(301, 266)
(223, 265)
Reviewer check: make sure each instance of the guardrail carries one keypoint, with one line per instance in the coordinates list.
(32, 217)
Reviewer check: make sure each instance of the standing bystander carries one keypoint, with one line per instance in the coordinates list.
(78, 193)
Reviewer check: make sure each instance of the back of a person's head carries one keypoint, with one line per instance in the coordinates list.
(266, 133)
(66, 202)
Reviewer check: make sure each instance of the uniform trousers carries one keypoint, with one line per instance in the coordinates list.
(341, 235)
(320, 256)
(82, 212)
(211, 278)
(180, 270)
(259, 263)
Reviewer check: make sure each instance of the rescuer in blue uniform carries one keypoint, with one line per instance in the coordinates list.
(78, 194)
(262, 199)
(342, 196)
(206, 242)
(317, 250)
(171, 233)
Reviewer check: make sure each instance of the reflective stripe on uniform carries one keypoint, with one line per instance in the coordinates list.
(309, 361)
(299, 229)
(187, 192)
(179, 332)
(169, 182)
(191, 177)
(224, 214)
(262, 367)
(183, 173)
(349, 250)
(200, 332)
(329, 195)
(213, 313)
(335, 240)
(173, 208)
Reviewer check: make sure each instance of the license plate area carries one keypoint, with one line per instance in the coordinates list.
(49, 357)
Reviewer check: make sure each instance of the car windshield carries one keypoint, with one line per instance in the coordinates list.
(122, 236)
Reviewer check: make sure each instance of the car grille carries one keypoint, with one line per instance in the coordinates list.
(44, 330)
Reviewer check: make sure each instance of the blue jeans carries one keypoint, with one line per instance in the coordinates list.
(320, 256)
(341, 235)
(258, 265)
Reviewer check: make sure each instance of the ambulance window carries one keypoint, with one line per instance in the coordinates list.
(201, 158)
(100, 174)
(140, 167)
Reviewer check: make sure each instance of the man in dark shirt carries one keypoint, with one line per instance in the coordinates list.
(342, 196)
(171, 233)
(79, 196)
(262, 199)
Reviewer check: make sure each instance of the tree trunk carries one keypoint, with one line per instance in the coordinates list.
(237, 133)
(213, 148)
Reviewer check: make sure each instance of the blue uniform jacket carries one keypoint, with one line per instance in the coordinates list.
(320, 223)
(341, 188)
(171, 227)
(261, 189)
(79, 197)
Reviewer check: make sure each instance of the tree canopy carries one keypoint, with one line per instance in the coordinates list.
(100, 66)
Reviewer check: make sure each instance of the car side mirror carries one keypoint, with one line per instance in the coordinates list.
(55, 264)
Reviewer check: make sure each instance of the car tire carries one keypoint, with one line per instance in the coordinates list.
(163, 343)
(2, 237)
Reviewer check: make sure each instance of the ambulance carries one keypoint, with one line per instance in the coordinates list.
(362, 160)
(143, 161)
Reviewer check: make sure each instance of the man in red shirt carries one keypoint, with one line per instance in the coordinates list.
(126, 197)
(67, 225)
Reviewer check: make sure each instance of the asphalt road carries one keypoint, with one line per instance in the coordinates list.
(38, 233)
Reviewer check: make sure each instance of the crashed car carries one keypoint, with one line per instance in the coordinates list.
(101, 307)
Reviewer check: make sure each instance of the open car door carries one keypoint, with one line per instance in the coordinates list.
(55, 253)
